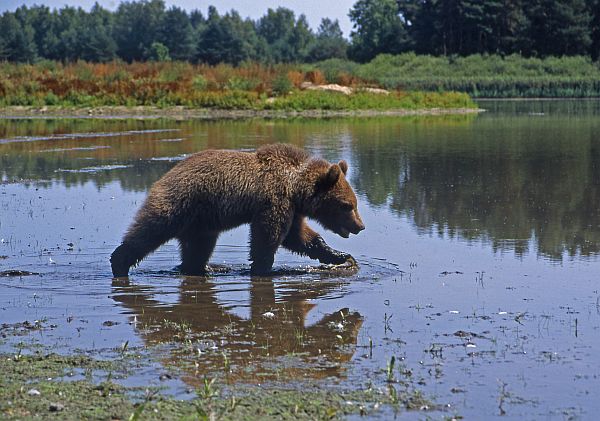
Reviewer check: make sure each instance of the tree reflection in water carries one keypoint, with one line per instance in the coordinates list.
(523, 178)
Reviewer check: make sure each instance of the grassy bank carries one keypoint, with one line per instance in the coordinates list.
(415, 82)
(250, 87)
(487, 76)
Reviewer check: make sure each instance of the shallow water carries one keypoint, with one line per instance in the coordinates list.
(478, 266)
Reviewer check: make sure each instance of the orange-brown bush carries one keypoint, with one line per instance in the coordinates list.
(162, 83)
(173, 83)
(316, 77)
(295, 77)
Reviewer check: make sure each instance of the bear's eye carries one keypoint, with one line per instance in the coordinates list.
(346, 206)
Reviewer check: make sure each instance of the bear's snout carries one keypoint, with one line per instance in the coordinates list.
(358, 228)
(357, 223)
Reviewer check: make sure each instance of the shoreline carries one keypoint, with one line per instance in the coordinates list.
(539, 99)
(184, 113)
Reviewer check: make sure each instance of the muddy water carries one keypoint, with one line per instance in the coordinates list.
(478, 267)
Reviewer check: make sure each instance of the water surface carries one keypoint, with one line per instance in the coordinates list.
(478, 267)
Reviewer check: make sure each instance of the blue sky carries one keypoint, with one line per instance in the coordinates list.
(313, 9)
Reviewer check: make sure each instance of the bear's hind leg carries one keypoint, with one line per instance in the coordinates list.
(141, 239)
(196, 251)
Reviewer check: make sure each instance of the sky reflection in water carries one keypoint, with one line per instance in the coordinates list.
(478, 264)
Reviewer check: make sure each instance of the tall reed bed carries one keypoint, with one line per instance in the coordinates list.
(478, 75)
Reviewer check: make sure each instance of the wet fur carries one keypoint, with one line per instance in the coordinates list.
(273, 190)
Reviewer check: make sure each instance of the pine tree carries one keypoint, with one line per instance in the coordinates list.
(378, 28)
(558, 27)
(136, 28)
(594, 8)
(227, 39)
(97, 43)
(329, 42)
(177, 34)
(16, 39)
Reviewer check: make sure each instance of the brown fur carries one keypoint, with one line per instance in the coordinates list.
(273, 190)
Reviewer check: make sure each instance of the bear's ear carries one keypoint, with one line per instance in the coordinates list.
(328, 180)
(343, 166)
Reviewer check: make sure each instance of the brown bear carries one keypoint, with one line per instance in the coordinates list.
(273, 190)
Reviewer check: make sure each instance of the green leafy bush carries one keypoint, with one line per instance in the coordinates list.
(282, 85)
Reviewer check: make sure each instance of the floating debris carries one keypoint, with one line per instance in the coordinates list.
(446, 273)
(17, 273)
(56, 407)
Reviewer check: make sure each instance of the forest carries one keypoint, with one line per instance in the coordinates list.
(147, 30)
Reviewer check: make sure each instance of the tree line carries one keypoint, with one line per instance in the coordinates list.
(146, 30)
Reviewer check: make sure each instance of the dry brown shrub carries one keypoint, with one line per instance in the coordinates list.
(316, 77)
(346, 79)
(295, 77)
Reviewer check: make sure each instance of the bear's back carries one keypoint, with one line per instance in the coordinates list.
(282, 154)
(226, 182)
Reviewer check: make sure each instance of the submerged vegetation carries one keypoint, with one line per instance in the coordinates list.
(40, 385)
(248, 87)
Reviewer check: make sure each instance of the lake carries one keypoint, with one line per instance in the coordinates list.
(478, 265)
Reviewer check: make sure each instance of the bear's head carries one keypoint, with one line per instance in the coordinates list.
(334, 203)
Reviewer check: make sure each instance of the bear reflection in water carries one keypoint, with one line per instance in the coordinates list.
(254, 345)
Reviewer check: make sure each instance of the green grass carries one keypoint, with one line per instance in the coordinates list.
(307, 100)
(489, 76)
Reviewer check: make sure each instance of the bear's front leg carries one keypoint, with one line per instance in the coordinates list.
(303, 240)
(265, 237)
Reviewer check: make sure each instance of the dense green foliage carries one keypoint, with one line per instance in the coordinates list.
(538, 28)
(146, 30)
(534, 28)
(478, 75)
(142, 30)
